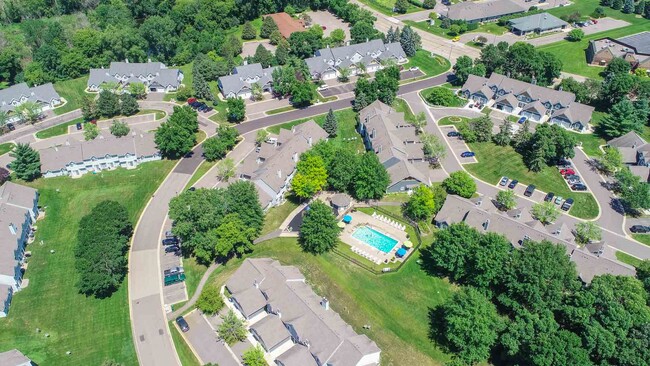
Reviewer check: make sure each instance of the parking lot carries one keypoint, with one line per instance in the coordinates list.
(177, 292)
(205, 343)
(458, 146)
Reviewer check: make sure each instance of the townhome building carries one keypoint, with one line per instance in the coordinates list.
(483, 11)
(294, 325)
(398, 147)
(358, 58)
(14, 358)
(106, 152)
(243, 80)
(18, 211)
(155, 76)
(589, 259)
(271, 167)
(634, 49)
(635, 153)
(43, 95)
(537, 103)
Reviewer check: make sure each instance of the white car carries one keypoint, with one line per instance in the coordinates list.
(414, 68)
(323, 87)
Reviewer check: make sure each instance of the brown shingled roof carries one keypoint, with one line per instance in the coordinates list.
(287, 24)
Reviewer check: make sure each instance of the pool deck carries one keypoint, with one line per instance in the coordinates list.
(362, 219)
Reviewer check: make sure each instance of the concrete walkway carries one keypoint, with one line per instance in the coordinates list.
(197, 293)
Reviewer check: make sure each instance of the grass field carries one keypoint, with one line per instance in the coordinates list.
(396, 306)
(93, 330)
(275, 215)
(184, 352)
(6, 147)
(505, 161)
(58, 130)
(200, 172)
(626, 258)
(573, 54)
(400, 105)
(73, 91)
(346, 128)
(193, 273)
(386, 6)
(643, 238)
(451, 120)
(489, 27)
(430, 65)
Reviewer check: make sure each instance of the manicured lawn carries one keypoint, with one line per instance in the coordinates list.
(590, 143)
(430, 65)
(184, 352)
(93, 330)
(491, 28)
(73, 92)
(643, 238)
(237, 31)
(400, 106)
(573, 54)
(451, 120)
(496, 162)
(396, 306)
(200, 172)
(280, 110)
(346, 122)
(58, 130)
(193, 273)
(456, 102)
(276, 215)
(6, 147)
(626, 258)
(386, 6)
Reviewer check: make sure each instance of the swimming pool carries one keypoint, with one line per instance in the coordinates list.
(374, 238)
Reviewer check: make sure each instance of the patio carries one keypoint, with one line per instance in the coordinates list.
(360, 219)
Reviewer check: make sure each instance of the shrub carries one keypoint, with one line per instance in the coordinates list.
(460, 183)
(443, 97)
(210, 302)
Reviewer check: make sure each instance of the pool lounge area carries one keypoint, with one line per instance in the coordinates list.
(371, 237)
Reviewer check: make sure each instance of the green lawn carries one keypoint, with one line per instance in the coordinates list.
(73, 91)
(643, 238)
(396, 306)
(93, 330)
(281, 110)
(58, 130)
(489, 27)
(451, 120)
(200, 172)
(276, 215)
(626, 258)
(237, 31)
(386, 6)
(193, 273)
(430, 65)
(6, 147)
(184, 352)
(573, 54)
(346, 122)
(456, 102)
(400, 105)
(504, 161)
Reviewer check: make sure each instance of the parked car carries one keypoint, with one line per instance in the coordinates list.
(175, 278)
(174, 270)
(558, 200)
(169, 234)
(191, 100)
(455, 39)
(579, 187)
(453, 134)
(571, 176)
(467, 154)
(172, 249)
(529, 190)
(564, 163)
(549, 197)
(503, 181)
(566, 206)
(574, 181)
(11, 126)
(513, 184)
(79, 127)
(522, 119)
(208, 109)
(170, 241)
(414, 68)
(641, 229)
(567, 171)
(182, 323)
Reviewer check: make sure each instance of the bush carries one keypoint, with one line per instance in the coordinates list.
(119, 129)
(460, 183)
(443, 97)
(576, 35)
(210, 302)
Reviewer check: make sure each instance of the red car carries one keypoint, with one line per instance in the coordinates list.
(191, 100)
(567, 172)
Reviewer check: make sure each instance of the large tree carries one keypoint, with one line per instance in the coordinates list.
(330, 125)
(623, 117)
(231, 329)
(268, 27)
(410, 41)
(460, 183)
(128, 105)
(371, 178)
(507, 199)
(108, 104)
(421, 203)
(236, 109)
(210, 302)
(311, 176)
(27, 162)
(450, 250)
(242, 198)
(177, 135)
(545, 212)
(342, 170)
(318, 232)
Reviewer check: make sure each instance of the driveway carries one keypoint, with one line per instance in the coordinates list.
(205, 343)
(458, 145)
(249, 48)
(331, 22)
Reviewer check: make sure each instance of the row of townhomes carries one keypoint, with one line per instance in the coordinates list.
(590, 260)
(273, 165)
(396, 144)
(634, 49)
(293, 324)
(535, 102)
(18, 211)
(75, 158)
(635, 152)
(156, 77)
(326, 64)
(14, 358)
(44, 95)
(484, 11)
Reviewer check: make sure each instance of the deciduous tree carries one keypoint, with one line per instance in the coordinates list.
(371, 179)
(460, 183)
(91, 131)
(421, 203)
(507, 199)
(236, 109)
(311, 176)
(318, 232)
(254, 356)
(108, 104)
(210, 302)
(587, 232)
(546, 212)
(128, 105)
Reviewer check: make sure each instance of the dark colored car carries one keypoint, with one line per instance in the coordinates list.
(11, 126)
(172, 249)
(467, 154)
(579, 187)
(208, 109)
(453, 134)
(182, 323)
(170, 241)
(78, 126)
(192, 189)
(566, 206)
(549, 197)
(513, 184)
(529, 190)
(642, 229)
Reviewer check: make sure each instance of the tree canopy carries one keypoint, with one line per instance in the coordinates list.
(27, 162)
(318, 232)
(460, 183)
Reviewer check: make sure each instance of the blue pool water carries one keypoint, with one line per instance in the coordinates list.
(374, 238)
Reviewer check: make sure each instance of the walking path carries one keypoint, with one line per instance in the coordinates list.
(197, 293)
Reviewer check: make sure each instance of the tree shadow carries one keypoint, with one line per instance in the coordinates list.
(437, 326)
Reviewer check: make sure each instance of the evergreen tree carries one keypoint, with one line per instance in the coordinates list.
(129, 105)
(623, 117)
(318, 232)
(628, 8)
(429, 4)
(268, 26)
(201, 87)
(617, 4)
(330, 125)
(640, 7)
(401, 6)
(410, 41)
(27, 162)
(248, 32)
(263, 56)
(390, 35)
(108, 104)
(647, 10)
(504, 136)
(282, 52)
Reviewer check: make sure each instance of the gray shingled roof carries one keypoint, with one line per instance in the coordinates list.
(162, 76)
(630, 139)
(42, 94)
(469, 11)
(541, 22)
(590, 266)
(13, 358)
(345, 56)
(297, 355)
(640, 42)
(16, 217)
(17, 195)
(271, 331)
(244, 77)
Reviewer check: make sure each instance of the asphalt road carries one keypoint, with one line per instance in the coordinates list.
(28, 129)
